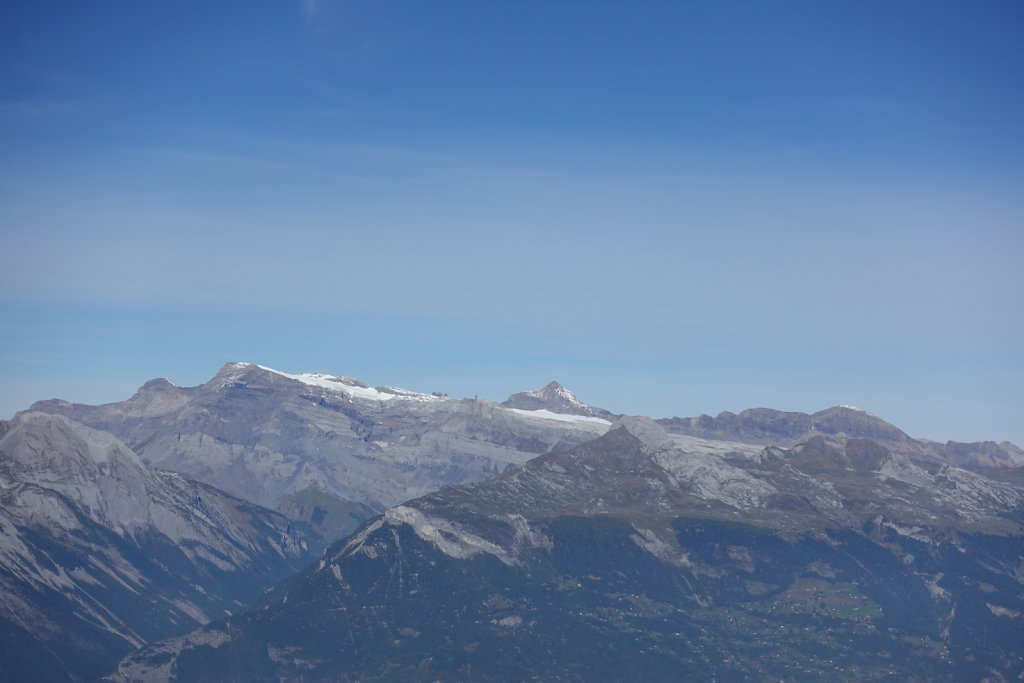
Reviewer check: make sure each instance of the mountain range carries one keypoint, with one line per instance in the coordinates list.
(321, 448)
(780, 428)
(541, 538)
(627, 558)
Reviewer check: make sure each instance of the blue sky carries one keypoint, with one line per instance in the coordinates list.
(670, 207)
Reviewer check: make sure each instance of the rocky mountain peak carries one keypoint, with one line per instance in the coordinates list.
(555, 398)
(647, 431)
(232, 368)
(158, 384)
(553, 391)
(618, 443)
(553, 387)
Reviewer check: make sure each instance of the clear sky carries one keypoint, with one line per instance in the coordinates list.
(673, 208)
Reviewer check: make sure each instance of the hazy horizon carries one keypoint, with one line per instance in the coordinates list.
(671, 209)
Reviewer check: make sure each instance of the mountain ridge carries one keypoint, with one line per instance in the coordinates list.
(628, 556)
(324, 449)
(332, 451)
(768, 426)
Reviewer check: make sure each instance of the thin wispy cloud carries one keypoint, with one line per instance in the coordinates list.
(254, 163)
(338, 102)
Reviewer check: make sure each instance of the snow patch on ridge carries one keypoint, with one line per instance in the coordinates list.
(347, 385)
(561, 417)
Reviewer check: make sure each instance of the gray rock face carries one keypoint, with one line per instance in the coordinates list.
(555, 398)
(322, 448)
(100, 554)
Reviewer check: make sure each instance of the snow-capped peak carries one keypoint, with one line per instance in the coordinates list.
(554, 390)
(553, 398)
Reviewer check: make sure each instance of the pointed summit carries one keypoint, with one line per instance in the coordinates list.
(555, 398)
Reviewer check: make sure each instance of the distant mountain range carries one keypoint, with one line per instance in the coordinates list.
(776, 427)
(538, 538)
(334, 452)
(321, 448)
